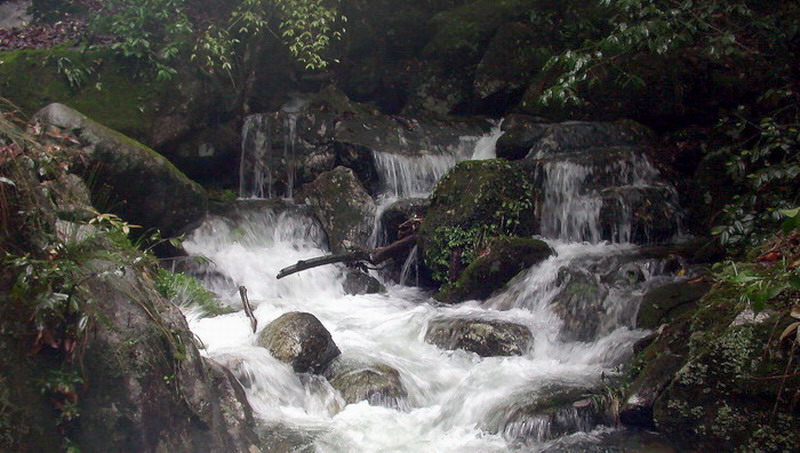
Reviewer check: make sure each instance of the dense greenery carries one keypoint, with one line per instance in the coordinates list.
(756, 135)
(158, 33)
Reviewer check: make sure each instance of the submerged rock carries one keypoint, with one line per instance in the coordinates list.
(499, 262)
(544, 414)
(300, 340)
(485, 337)
(344, 208)
(379, 384)
(143, 186)
(580, 304)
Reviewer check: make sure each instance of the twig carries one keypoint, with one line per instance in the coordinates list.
(247, 308)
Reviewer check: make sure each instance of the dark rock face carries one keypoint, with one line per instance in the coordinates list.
(379, 384)
(487, 338)
(149, 388)
(142, 185)
(344, 208)
(357, 282)
(300, 340)
(664, 303)
(502, 259)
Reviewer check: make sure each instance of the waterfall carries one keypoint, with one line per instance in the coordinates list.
(580, 304)
(264, 161)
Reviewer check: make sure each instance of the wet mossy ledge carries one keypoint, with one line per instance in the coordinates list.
(715, 374)
(502, 259)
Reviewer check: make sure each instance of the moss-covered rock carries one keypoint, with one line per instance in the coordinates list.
(140, 185)
(716, 378)
(502, 259)
(485, 337)
(474, 202)
(665, 303)
(379, 384)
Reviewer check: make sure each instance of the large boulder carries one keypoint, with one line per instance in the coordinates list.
(140, 185)
(476, 200)
(148, 387)
(300, 340)
(379, 384)
(502, 259)
(487, 338)
(344, 208)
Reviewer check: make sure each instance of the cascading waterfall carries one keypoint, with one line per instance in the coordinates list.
(260, 161)
(456, 401)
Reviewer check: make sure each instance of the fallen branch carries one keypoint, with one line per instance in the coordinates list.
(247, 308)
(373, 257)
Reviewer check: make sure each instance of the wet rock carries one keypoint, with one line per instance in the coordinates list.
(521, 134)
(379, 384)
(357, 282)
(398, 213)
(142, 185)
(637, 408)
(150, 387)
(504, 69)
(641, 215)
(576, 136)
(300, 340)
(580, 304)
(499, 262)
(545, 414)
(664, 303)
(475, 198)
(344, 208)
(487, 338)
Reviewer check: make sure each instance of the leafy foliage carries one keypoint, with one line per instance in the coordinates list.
(186, 292)
(157, 32)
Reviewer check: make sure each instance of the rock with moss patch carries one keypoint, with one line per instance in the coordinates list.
(300, 340)
(344, 208)
(485, 337)
(499, 261)
(140, 184)
(664, 303)
(474, 201)
(379, 384)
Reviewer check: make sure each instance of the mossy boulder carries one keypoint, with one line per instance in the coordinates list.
(502, 259)
(485, 337)
(140, 185)
(343, 206)
(377, 383)
(300, 340)
(474, 201)
(149, 388)
(717, 378)
(664, 303)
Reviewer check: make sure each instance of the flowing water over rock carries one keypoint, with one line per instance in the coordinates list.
(579, 307)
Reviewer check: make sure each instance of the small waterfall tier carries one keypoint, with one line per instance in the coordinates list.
(597, 183)
(285, 149)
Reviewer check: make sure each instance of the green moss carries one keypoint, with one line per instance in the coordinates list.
(505, 258)
(476, 201)
(110, 93)
(185, 291)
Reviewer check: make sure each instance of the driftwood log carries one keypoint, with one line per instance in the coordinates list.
(374, 257)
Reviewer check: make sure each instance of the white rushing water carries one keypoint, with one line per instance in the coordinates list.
(457, 401)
